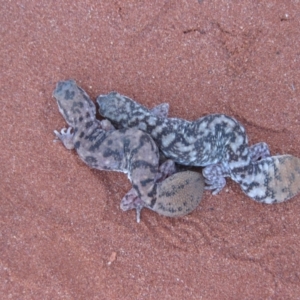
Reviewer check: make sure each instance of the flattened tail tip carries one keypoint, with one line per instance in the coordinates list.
(179, 194)
(279, 181)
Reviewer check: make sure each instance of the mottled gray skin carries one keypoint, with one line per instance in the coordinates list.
(217, 142)
(274, 179)
(100, 146)
(177, 195)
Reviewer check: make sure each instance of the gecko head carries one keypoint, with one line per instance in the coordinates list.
(73, 102)
(115, 107)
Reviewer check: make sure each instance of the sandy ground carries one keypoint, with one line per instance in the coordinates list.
(62, 233)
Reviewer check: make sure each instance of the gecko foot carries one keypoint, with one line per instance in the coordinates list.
(214, 177)
(217, 185)
(132, 201)
(66, 137)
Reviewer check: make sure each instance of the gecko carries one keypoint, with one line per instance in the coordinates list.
(217, 142)
(131, 151)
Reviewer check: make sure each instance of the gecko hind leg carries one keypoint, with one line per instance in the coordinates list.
(214, 177)
(132, 201)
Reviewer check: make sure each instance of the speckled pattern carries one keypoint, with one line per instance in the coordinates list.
(276, 176)
(60, 220)
(131, 151)
(217, 142)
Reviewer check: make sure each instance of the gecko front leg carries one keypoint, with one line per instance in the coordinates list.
(66, 137)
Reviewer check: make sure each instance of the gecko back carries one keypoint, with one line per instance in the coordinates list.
(131, 151)
(217, 142)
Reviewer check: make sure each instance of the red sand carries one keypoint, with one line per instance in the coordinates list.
(62, 233)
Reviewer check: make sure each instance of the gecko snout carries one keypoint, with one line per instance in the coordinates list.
(107, 105)
(64, 90)
(101, 100)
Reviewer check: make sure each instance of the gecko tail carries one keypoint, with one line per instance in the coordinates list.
(273, 179)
